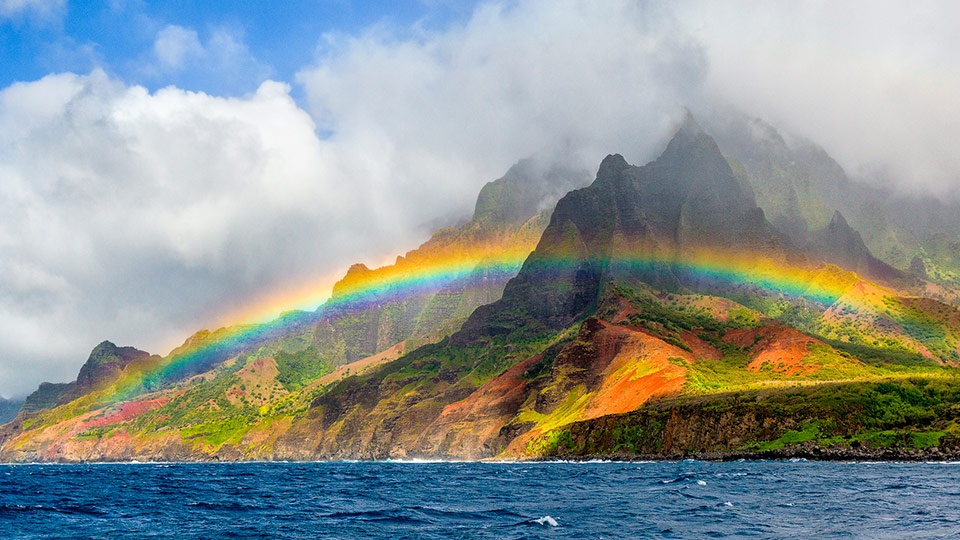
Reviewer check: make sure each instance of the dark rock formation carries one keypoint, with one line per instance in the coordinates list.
(105, 363)
(840, 244)
(917, 268)
(630, 224)
(47, 396)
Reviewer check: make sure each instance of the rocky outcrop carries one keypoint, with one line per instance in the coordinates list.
(630, 224)
(917, 268)
(47, 395)
(829, 421)
(511, 213)
(840, 244)
(105, 363)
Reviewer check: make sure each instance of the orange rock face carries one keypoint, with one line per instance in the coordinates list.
(779, 348)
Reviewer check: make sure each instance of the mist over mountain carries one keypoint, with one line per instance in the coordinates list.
(801, 188)
(687, 199)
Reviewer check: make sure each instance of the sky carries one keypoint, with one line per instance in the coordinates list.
(172, 166)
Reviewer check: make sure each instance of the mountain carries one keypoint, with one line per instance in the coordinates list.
(632, 223)
(47, 396)
(656, 312)
(428, 292)
(800, 187)
(104, 365)
(840, 244)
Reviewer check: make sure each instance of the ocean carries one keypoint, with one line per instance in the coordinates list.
(423, 500)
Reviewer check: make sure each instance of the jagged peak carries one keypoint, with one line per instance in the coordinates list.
(842, 236)
(358, 268)
(104, 347)
(107, 349)
(689, 139)
(689, 124)
(841, 244)
(353, 273)
(612, 165)
(529, 186)
(105, 362)
(838, 221)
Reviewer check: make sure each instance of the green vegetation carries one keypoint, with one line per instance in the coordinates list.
(297, 369)
(215, 434)
(808, 432)
(908, 413)
(881, 356)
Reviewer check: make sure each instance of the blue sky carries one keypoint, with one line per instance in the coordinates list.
(164, 165)
(270, 39)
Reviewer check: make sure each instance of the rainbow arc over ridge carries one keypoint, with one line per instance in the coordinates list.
(823, 284)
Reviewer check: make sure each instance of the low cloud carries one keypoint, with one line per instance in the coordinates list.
(143, 217)
(875, 83)
(513, 80)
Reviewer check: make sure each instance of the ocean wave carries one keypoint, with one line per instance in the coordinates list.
(545, 521)
(681, 478)
(378, 500)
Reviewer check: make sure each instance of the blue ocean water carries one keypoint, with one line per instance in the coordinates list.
(688, 499)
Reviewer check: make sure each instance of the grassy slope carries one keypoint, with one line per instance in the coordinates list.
(732, 405)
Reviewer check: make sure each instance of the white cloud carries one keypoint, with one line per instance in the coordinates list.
(219, 60)
(875, 83)
(175, 44)
(44, 10)
(511, 81)
(143, 217)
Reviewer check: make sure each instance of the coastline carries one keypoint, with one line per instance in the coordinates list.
(805, 452)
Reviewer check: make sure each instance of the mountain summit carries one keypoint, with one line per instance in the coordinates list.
(840, 244)
(631, 224)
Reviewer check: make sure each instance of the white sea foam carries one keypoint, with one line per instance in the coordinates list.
(421, 460)
(546, 521)
(701, 483)
(565, 461)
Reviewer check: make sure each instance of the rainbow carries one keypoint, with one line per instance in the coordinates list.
(358, 290)
(363, 288)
